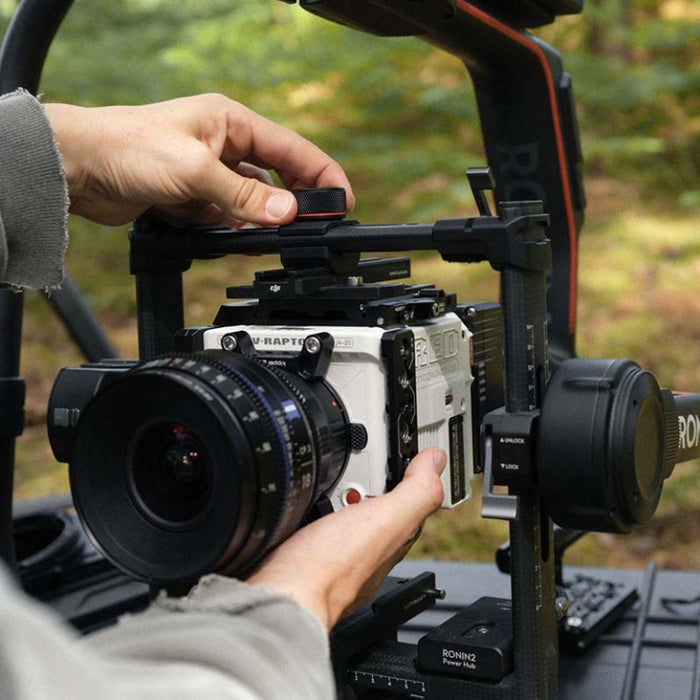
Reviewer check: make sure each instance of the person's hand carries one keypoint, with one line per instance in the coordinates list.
(338, 562)
(199, 159)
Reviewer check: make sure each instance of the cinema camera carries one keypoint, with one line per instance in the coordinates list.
(313, 397)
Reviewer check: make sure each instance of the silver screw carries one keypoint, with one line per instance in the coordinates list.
(229, 342)
(561, 605)
(438, 593)
(312, 345)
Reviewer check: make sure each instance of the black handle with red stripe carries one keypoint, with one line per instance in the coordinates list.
(526, 108)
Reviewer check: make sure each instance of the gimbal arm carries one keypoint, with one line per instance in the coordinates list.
(526, 109)
(21, 60)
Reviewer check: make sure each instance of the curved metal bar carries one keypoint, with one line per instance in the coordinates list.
(27, 42)
(22, 54)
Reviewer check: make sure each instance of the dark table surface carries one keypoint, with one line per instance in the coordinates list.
(89, 595)
(670, 650)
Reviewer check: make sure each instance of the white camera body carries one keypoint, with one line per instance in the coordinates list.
(432, 383)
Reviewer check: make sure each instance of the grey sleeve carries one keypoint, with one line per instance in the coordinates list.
(33, 195)
(225, 640)
(263, 640)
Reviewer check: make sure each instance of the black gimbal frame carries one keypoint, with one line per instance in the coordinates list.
(517, 436)
(516, 244)
(22, 54)
(531, 138)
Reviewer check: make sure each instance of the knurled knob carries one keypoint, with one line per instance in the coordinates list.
(321, 203)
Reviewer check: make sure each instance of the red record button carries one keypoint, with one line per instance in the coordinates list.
(352, 496)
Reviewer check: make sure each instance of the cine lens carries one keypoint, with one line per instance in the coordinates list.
(171, 473)
(189, 464)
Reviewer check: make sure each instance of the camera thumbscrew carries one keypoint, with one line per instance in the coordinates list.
(312, 345)
(229, 342)
(437, 593)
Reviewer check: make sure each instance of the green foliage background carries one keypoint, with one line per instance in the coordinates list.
(400, 117)
(393, 102)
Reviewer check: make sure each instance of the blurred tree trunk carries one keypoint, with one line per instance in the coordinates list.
(608, 21)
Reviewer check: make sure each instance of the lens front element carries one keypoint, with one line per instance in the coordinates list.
(170, 472)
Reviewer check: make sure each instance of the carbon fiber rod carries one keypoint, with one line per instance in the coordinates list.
(535, 634)
(347, 238)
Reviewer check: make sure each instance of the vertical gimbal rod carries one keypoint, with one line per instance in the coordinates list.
(159, 296)
(532, 573)
(160, 312)
(11, 411)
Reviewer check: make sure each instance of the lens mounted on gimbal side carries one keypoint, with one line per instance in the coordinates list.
(606, 442)
(189, 464)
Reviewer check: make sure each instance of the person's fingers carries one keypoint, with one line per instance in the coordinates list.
(196, 212)
(395, 514)
(419, 493)
(245, 198)
(338, 561)
(268, 145)
(253, 171)
(206, 148)
(235, 133)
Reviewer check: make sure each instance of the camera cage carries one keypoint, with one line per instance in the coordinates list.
(525, 102)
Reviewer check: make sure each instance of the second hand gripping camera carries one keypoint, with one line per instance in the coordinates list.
(311, 397)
